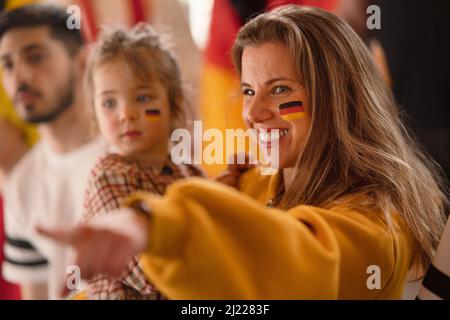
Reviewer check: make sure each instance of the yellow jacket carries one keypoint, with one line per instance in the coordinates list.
(208, 241)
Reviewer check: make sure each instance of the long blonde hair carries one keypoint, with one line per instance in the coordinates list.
(357, 144)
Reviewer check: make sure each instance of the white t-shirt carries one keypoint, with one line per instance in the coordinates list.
(44, 188)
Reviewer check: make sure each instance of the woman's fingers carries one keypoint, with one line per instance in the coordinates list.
(85, 258)
(119, 262)
(113, 254)
(66, 236)
(103, 252)
(104, 246)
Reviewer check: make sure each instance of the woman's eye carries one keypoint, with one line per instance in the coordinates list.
(144, 98)
(248, 92)
(110, 103)
(280, 89)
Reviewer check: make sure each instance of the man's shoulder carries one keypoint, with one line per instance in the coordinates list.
(95, 147)
(85, 154)
(29, 165)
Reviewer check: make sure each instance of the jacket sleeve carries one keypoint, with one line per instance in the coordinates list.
(208, 241)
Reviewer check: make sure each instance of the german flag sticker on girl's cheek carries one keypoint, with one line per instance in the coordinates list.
(292, 110)
(153, 115)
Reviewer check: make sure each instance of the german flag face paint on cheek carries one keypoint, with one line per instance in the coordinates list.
(152, 115)
(292, 110)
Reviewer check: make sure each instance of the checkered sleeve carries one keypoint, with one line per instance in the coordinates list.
(111, 182)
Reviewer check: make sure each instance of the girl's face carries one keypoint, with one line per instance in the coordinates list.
(133, 115)
(274, 98)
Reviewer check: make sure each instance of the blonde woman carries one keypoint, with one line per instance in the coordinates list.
(354, 207)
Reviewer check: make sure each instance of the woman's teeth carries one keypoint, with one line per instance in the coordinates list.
(269, 135)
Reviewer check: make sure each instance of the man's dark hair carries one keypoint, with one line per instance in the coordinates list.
(37, 15)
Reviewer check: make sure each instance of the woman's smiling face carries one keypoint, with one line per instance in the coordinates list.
(274, 98)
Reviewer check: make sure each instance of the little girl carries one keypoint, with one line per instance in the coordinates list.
(135, 86)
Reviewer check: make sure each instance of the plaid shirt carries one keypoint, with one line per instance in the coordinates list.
(112, 180)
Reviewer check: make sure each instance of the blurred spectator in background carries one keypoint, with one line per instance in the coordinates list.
(43, 66)
(164, 15)
(12, 149)
(15, 138)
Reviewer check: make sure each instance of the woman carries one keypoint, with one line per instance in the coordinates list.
(353, 195)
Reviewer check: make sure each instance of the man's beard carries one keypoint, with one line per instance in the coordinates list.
(63, 103)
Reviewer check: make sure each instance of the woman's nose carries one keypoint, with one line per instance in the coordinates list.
(257, 111)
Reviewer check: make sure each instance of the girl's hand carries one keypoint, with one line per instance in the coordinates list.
(234, 171)
(105, 245)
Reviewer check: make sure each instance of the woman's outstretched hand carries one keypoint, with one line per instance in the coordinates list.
(104, 245)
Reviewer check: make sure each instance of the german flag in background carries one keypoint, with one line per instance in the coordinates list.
(9, 291)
